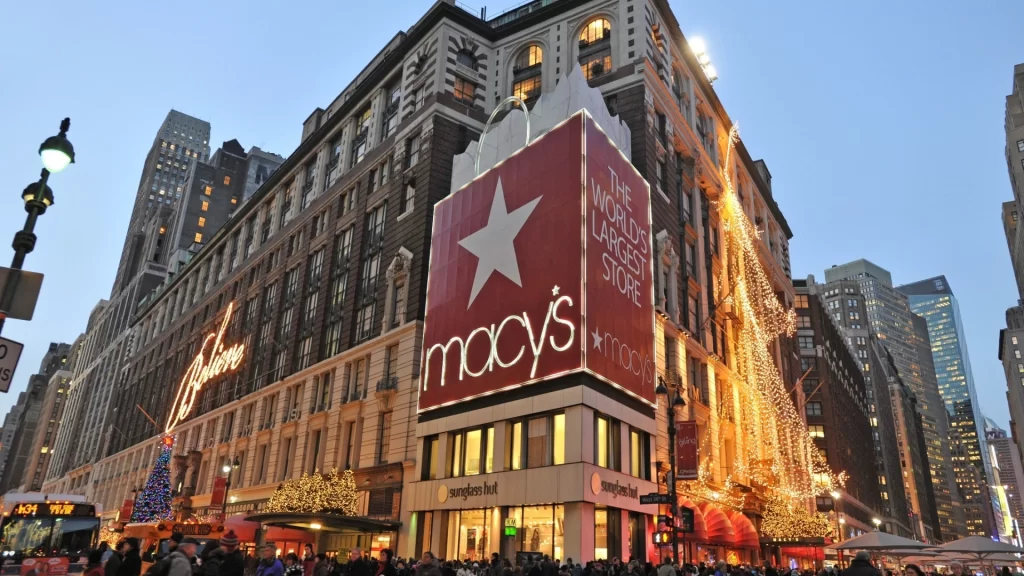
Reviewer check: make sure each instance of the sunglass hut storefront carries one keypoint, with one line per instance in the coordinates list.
(536, 405)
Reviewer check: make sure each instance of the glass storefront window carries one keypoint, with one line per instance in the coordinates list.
(558, 456)
(601, 534)
(543, 529)
(473, 452)
(607, 533)
(471, 534)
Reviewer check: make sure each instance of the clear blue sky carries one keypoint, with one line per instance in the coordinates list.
(880, 121)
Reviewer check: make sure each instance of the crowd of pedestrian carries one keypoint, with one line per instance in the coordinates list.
(224, 558)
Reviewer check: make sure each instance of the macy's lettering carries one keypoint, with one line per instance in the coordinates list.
(622, 355)
(202, 370)
(493, 335)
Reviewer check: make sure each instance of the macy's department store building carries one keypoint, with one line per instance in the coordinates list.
(536, 414)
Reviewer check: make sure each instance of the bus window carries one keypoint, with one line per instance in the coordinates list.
(74, 535)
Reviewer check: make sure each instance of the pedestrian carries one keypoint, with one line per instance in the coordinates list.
(233, 563)
(321, 567)
(131, 564)
(211, 559)
(861, 566)
(292, 566)
(181, 557)
(172, 543)
(114, 562)
(356, 566)
(428, 565)
(269, 564)
(915, 570)
(384, 565)
(94, 567)
(666, 568)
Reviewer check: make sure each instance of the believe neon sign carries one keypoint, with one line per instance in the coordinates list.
(204, 368)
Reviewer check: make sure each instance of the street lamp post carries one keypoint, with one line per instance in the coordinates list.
(836, 495)
(56, 153)
(676, 402)
(228, 469)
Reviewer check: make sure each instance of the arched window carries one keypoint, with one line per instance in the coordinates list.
(596, 48)
(597, 30)
(526, 73)
(465, 58)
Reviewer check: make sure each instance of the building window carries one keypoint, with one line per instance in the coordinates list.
(391, 116)
(362, 136)
(473, 452)
(526, 73)
(535, 442)
(639, 455)
(199, 237)
(208, 190)
(1020, 145)
(800, 301)
(816, 431)
(813, 408)
(383, 437)
(803, 321)
(607, 449)
(429, 471)
(660, 176)
(205, 206)
(595, 48)
(466, 58)
(408, 197)
(464, 91)
(806, 342)
(202, 221)
(412, 151)
(227, 180)
(607, 532)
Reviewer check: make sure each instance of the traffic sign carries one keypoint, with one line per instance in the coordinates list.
(26, 292)
(655, 498)
(10, 352)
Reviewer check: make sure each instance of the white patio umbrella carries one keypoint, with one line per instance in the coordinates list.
(979, 547)
(881, 541)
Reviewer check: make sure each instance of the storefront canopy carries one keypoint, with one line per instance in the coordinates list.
(700, 529)
(744, 531)
(719, 527)
(246, 531)
(325, 522)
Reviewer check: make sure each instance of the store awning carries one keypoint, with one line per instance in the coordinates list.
(744, 531)
(700, 529)
(246, 531)
(325, 522)
(719, 527)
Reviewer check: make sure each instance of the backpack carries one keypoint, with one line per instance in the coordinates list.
(161, 568)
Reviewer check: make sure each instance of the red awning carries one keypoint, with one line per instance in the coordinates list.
(719, 527)
(700, 529)
(809, 552)
(744, 531)
(246, 531)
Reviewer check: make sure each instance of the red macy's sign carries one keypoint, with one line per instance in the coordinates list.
(540, 267)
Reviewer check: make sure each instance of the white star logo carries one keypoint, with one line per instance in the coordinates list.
(596, 335)
(493, 244)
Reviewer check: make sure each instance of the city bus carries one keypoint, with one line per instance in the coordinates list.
(47, 534)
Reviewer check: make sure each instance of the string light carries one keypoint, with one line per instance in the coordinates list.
(110, 536)
(314, 493)
(778, 455)
(783, 519)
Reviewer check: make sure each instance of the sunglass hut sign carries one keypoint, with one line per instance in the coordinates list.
(542, 267)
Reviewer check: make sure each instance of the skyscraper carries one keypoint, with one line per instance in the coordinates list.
(891, 321)
(181, 141)
(933, 300)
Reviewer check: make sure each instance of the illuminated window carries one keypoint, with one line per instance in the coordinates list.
(227, 180)
(208, 190)
(526, 73)
(527, 89)
(44, 450)
(205, 206)
(816, 431)
(516, 447)
(202, 221)
(596, 31)
(595, 67)
(607, 451)
(800, 301)
(558, 454)
(464, 91)
(234, 200)
(163, 229)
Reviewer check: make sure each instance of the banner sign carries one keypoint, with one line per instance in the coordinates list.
(687, 462)
(127, 507)
(541, 267)
(220, 488)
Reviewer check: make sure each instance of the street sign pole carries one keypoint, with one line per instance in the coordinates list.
(10, 352)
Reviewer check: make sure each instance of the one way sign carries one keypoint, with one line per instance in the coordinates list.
(10, 352)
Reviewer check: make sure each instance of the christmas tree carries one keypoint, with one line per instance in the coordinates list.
(154, 503)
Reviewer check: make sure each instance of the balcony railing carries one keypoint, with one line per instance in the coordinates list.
(387, 384)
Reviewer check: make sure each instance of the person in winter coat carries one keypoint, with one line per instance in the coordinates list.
(384, 565)
(95, 562)
(212, 559)
(861, 566)
(232, 564)
(292, 567)
(321, 567)
(181, 558)
(114, 562)
(269, 564)
(131, 565)
(356, 566)
(308, 560)
(428, 565)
